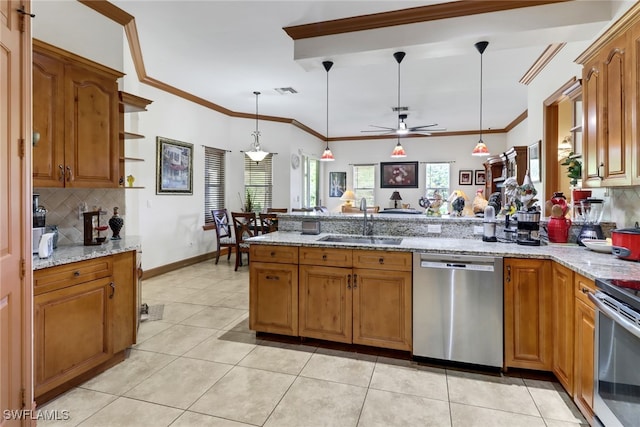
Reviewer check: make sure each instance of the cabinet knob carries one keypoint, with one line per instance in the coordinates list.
(273, 254)
(585, 290)
(381, 260)
(76, 273)
(324, 257)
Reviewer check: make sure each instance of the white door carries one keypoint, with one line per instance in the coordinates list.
(15, 189)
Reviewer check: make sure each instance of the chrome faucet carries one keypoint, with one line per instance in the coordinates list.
(365, 229)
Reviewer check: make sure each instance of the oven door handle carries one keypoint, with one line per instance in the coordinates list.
(632, 328)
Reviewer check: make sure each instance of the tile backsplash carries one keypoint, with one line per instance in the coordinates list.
(625, 206)
(62, 209)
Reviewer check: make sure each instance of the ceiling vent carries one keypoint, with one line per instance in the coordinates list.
(398, 109)
(285, 90)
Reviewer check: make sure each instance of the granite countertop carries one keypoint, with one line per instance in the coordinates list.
(65, 254)
(580, 259)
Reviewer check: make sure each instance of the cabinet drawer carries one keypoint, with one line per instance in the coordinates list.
(382, 260)
(326, 256)
(52, 278)
(277, 254)
(582, 287)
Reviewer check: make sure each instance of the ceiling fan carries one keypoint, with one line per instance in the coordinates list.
(403, 128)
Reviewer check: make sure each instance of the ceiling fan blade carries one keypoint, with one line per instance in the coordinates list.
(381, 131)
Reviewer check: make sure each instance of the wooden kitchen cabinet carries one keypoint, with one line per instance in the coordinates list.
(85, 315)
(515, 163)
(584, 341)
(75, 114)
(493, 167)
(365, 301)
(273, 289)
(609, 90)
(527, 314)
(562, 299)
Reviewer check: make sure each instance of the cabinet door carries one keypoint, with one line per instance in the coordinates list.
(382, 308)
(91, 129)
(584, 342)
(563, 302)
(125, 295)
(71, 332)
(48, 121)
(527, 313)
(592, 102)
(325, 300)
(273, 298)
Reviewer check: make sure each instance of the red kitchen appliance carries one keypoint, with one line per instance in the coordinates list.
(626, 243)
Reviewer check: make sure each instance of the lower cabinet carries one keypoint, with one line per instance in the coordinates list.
(527, 314)
(84, 315)
(584, 338)
(342, 295)
(273, 289)
(562, 300)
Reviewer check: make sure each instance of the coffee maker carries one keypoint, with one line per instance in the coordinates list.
(528, 228)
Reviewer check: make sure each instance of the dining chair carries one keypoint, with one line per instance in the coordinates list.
(268, 222)
(245, 225)
(224, 236)
(277, 210)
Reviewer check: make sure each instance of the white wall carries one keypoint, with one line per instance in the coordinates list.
(456, 149)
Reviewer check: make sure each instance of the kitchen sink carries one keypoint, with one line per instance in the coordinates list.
(362, 239)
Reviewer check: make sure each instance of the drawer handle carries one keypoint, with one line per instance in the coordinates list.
(76, 273)
(113, 289)
(348, 281)
(508, 273)
(585, 290)
(324, 257)
(381, 260)
(355, 281)
(273, 277)
(60, 173)
(69, 174)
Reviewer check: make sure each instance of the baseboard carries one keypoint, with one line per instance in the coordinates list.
(147, 274)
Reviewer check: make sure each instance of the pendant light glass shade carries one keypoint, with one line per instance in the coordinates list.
(481, 149)
(398, 151)
(256, 154)
(327, 156)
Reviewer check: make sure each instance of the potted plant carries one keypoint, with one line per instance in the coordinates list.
(248, 202)
(574, 168)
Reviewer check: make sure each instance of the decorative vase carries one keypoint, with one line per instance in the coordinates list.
(116, 223)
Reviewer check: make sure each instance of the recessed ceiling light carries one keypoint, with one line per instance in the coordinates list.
(285, 90)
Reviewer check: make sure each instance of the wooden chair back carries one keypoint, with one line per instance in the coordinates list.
(245, 225)
(268, 222)
(224, 236)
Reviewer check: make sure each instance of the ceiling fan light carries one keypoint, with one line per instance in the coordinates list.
(398, 151)
(480, 149)
(327, 156)
(402, 131)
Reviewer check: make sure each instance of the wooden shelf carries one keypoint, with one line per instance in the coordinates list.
(126, 187)
(132, 159)
(133, 103)
(131, 135)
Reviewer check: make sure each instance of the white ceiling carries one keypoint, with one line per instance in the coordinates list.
(222, 51)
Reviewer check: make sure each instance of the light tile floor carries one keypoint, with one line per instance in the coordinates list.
(202, 366)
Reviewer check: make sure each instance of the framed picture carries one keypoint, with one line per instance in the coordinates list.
(337, 183)
(465, 177)
(399, 175)
(174, 167)
(480, 177)
(534, 161)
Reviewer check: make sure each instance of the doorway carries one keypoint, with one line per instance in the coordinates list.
(562, 136)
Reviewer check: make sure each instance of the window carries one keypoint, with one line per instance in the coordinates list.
(258, 182)
(364, 182)
(310, 181)
(437, 179)
(214, 160)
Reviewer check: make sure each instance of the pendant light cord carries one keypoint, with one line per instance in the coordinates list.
(481, 55)
(327, 66)
(257, 131)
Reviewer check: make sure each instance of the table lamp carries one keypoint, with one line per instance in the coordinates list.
(395, 197)
(347, 197)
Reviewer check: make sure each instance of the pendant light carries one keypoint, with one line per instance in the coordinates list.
(256, 154)
(327, 156)
(480, 148)
(398, 151)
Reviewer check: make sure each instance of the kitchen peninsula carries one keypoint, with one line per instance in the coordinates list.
(548, 318)
(85, 312)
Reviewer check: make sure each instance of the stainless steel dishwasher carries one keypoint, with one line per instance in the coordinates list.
(458, 308)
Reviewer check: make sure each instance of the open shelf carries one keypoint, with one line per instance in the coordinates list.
(132, 159)
(131, 135)
(133, 103)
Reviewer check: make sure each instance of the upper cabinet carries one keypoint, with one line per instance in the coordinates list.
(611, 68)
(75, 114)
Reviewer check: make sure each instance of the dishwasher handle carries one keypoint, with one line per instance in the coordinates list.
(453, 265)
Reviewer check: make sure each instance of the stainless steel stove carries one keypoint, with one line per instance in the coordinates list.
(616, 400)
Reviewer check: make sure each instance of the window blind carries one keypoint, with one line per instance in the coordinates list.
(214, 160)
(364, 183)
(258, 180)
